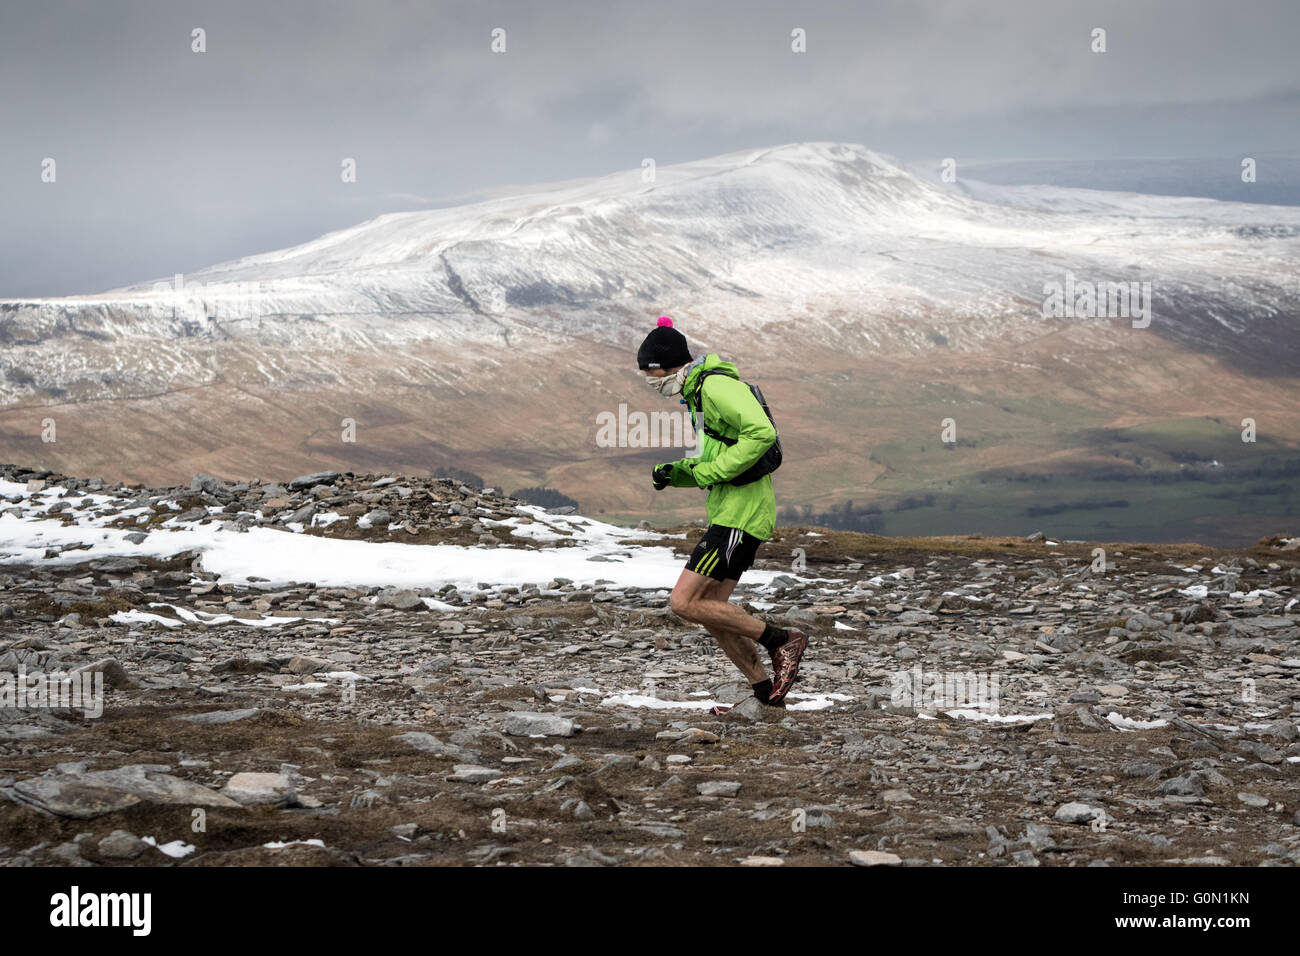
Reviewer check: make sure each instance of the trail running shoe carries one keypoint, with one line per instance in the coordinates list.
(785, 665)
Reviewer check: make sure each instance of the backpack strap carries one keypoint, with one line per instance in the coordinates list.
(699, 408)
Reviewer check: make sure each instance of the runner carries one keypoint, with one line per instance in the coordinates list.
(741, 515)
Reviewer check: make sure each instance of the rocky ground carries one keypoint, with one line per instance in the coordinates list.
(1145, 706)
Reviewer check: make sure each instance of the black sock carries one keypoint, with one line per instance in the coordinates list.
(763, 690)
(773, 637)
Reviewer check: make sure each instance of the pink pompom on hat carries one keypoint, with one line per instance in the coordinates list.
(664, 320)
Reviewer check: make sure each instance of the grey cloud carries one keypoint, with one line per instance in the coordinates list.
(169, 161)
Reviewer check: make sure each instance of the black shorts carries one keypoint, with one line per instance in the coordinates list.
(724, 554)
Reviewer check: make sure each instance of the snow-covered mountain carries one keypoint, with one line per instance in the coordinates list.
(796, 230)
(1276, 182)
(826, 266)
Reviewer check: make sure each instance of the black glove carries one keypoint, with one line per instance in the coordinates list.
(662, 476)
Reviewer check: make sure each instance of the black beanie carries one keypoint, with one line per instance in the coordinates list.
(665, 347)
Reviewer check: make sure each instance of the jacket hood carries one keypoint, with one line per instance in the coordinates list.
(705, 363)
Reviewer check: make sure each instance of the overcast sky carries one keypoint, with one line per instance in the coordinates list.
(169, 160)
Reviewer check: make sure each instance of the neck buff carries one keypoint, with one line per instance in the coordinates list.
(670, 384)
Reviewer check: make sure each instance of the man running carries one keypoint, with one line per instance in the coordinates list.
(741, 516)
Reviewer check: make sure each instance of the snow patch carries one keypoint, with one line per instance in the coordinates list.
(177, 849)
(994, 718)
(1129, 723)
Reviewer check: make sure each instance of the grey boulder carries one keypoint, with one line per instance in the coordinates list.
(528, 724)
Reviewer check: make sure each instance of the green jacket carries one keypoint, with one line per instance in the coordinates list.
(730, 409)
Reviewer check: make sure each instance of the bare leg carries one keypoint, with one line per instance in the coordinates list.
(704, 601)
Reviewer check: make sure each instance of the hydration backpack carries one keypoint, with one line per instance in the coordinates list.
(769, 461)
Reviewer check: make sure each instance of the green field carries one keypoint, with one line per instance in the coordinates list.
(1177, 480)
